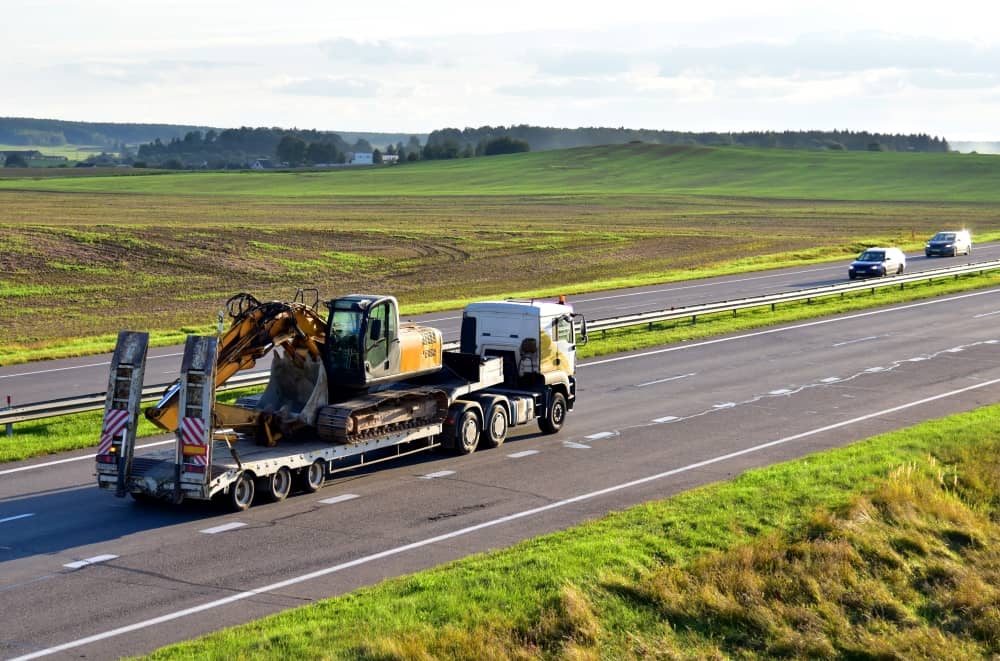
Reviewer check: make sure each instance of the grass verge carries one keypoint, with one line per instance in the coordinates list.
(80, 430)
(888, 548)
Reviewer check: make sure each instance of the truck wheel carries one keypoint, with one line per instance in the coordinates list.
(495, 430)
(277, 485)
(241, 492)
(313, 478)
(467, 433)
(556, 415)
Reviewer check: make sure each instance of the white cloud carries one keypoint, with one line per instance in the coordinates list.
(401, 66)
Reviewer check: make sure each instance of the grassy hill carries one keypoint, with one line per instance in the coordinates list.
(609, 170)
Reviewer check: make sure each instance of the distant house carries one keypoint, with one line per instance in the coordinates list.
(262, 164)
(361, 158)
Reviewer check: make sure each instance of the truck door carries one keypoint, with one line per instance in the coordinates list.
(565, 344)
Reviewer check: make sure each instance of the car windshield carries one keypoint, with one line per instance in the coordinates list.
(944, 236)
(872, 256)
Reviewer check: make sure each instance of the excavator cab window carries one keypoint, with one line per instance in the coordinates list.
(380, 335)
(344, 336)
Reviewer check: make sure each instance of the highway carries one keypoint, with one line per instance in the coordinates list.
(85, 574)
(47, 380)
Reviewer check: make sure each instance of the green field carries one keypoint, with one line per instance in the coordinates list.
(612, 170)
(84, 256)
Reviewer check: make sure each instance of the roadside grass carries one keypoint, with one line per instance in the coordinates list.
(81, 430)
(887, 548)
(76, 431)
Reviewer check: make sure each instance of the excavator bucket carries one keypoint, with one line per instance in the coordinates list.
(121, 411)
(196, 400)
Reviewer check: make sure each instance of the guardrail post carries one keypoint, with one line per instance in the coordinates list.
(10, 425)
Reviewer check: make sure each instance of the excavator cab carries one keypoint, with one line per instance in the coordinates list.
(366, 345)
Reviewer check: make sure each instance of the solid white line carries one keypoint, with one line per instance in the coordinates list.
(526, 453)
(987, 314)
(339, 499)
(83, 458)
(666, 418)
(431, 476)
(784, 329)
(780, 391)
(326, 571)
(830, 379)
(669, 378)
(76, 367)
(223, 528)
(15, 518)
(89, 561)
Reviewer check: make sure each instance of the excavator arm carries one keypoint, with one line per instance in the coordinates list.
(256, 329)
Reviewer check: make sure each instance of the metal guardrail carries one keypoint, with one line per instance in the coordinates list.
(53, 408)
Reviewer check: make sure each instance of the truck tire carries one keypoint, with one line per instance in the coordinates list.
(277, 485)
(554, 418)
(494, 431)
(241, 492)
(313, 477)
(467, 432)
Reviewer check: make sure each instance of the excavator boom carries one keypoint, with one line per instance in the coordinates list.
(256, 329)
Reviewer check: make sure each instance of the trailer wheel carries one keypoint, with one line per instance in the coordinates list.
(555, 416)
(278, 485)
(495, 430)
(313, 478)
(240, 495)
(467, 432)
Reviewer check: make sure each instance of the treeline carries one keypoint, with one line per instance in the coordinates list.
(28, 132)
(470, 141)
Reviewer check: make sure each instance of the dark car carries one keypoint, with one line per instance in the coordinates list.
(949, 244)
(876, 262)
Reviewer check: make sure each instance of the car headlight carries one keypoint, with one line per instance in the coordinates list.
(949, 245)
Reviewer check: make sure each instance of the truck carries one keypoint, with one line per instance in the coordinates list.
(356, 388)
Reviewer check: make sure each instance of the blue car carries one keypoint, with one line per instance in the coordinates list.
(877, 262)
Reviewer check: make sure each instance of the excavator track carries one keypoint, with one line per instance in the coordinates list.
(376, 414)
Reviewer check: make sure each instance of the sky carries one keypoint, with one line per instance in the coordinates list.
(412, 67)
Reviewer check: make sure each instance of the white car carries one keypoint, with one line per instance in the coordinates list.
(876, 262)
(949, 243)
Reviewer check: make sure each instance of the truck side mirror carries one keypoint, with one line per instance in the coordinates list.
(375, 330)
(583, 329)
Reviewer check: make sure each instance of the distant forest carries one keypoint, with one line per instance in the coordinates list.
(543, 138)
(177, 146)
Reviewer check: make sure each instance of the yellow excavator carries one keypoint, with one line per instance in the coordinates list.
(330, 374)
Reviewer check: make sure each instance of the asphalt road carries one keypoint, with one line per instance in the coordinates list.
(106, 577)
(56, 379)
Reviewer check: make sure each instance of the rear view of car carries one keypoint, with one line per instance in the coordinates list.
(877, 262)
(949, 244)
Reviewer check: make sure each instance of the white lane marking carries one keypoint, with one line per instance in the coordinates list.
(872, 370)
(669, 378)
(987, 314)
(83, 458)
(576, 446)
(954, 350)
(780, 391)
(225, 527)
(666, 418)
(860, 339)
(431, 476)
(724, 405)
(461, 532)
(599, 435)
(339, 499)
(784, 329)
(16, 517)
(831, 379)
(526, 453)
(89, 561)
(704, 284)
(76, 367)
(425, 321)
